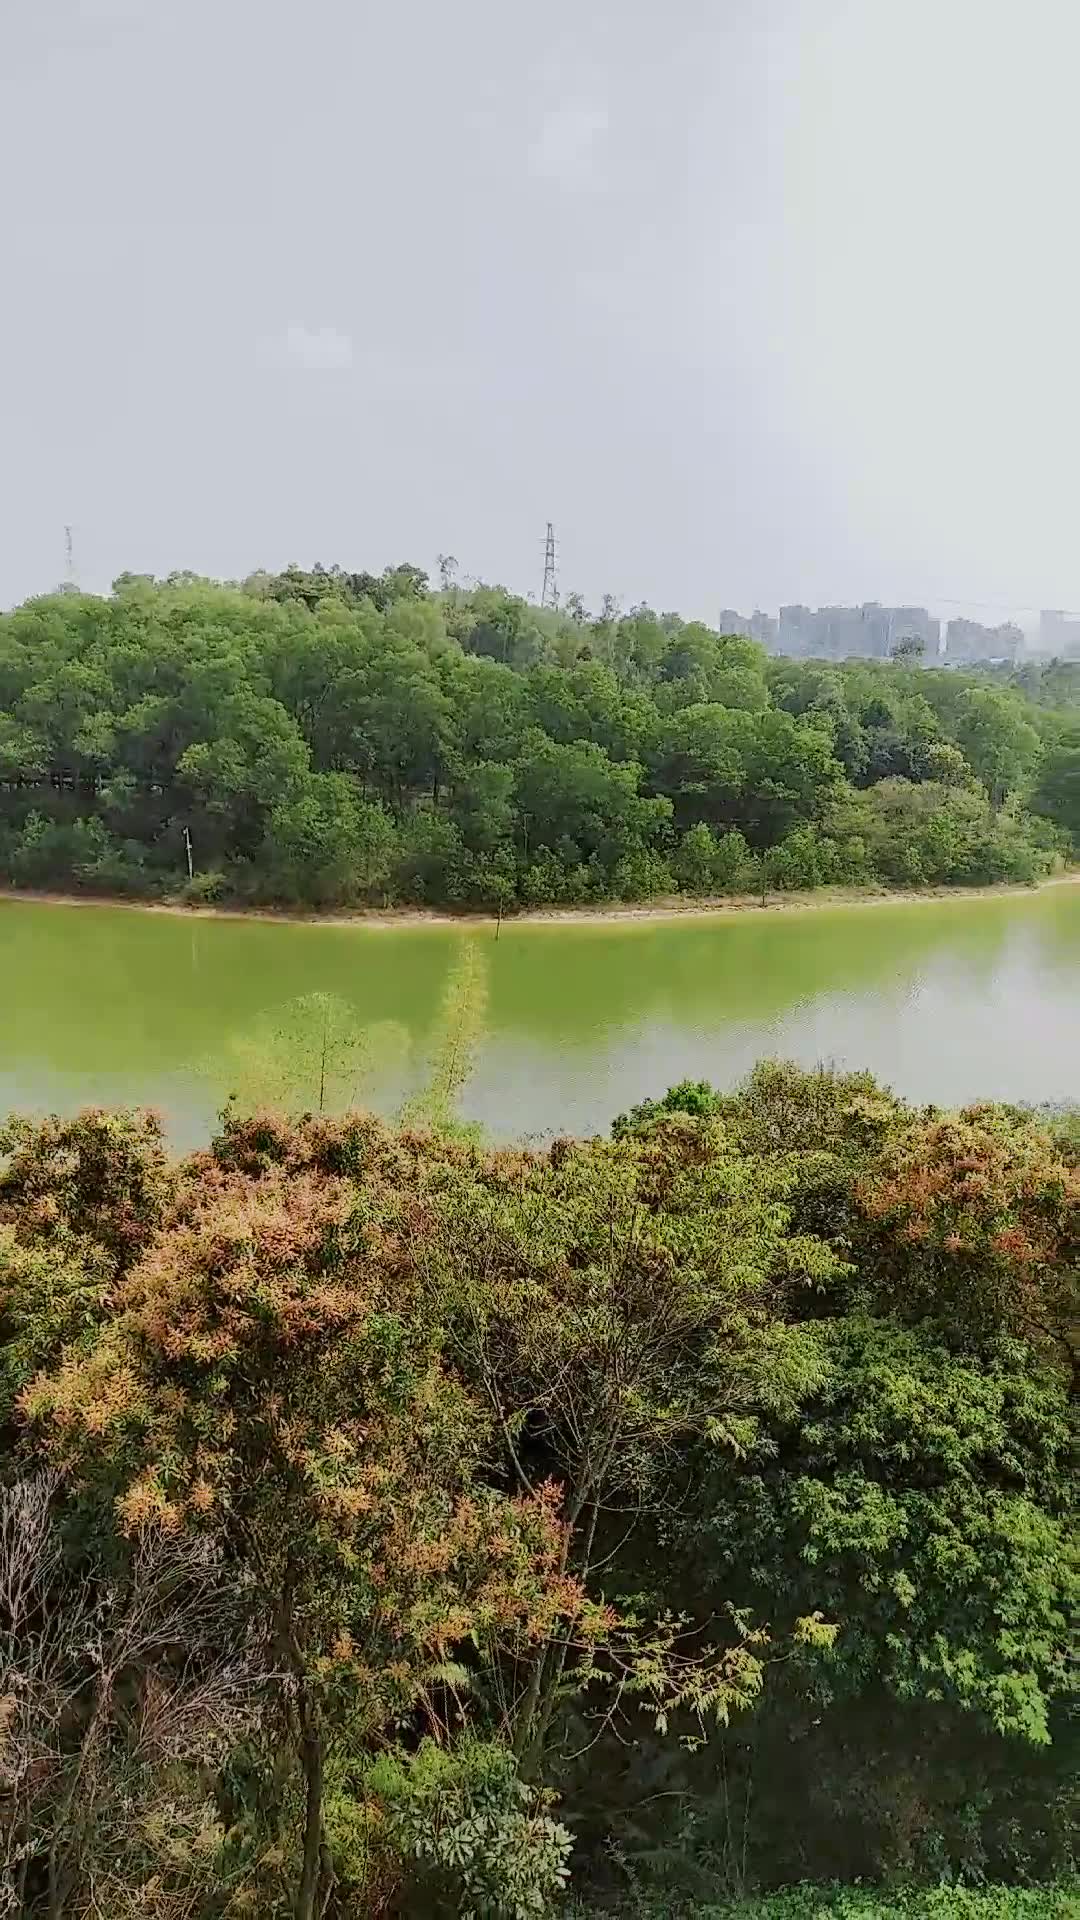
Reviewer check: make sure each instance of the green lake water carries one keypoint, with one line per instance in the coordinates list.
(943, 1000)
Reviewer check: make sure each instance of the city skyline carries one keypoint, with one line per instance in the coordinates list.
(874, 630)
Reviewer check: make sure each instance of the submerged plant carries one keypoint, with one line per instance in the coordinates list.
(454, 1043)
(312, 1055)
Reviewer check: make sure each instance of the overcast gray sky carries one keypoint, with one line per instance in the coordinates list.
(758, 300)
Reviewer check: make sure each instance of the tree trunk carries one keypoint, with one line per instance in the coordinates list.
(63, 1821)
(538, 1705)
(309, 1751)
(548, 1698)
(311, 1759)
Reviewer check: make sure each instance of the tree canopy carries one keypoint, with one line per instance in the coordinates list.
(394, 1525)
(333, 738)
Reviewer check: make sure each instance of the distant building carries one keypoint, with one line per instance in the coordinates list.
(1059, 633)
(967, 641)
(914, 623)
(754, 626)
(795, 630)
(868, 632)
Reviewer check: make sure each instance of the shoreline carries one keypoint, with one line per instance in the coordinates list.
(610, 913)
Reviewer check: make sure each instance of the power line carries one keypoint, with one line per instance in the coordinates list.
(1001, 606)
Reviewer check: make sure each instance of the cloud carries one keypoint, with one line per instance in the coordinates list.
(316, 349)
(565, 146)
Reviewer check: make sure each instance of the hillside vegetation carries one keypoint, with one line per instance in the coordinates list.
(394, 1526)
(327, 740)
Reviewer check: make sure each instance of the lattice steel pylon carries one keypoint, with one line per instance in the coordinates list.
(549, 595)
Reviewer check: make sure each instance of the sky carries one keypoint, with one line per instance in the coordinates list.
(755, 300)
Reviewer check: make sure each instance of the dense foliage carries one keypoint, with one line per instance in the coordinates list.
(331, 739)
(944, 1903)
(392, 1525)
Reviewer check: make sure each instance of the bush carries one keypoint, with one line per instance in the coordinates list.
(429, 861)
(642, 875)
(545, 882)
(50, 850)
(938, 1903)
(695, 1097)
(477, 1839)
(841, 1902)
(203, 889)
(704, 863)
(735, 869)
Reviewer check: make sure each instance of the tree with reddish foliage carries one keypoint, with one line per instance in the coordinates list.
(102, 1178)
(80, 1200)
(265, 1378)
(973, 1219)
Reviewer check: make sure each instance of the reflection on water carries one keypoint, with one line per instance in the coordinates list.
(945, 1000)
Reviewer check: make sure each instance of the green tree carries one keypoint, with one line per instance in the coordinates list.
(1057, 794)
(1001, 745)
(327, 846)
(405, 725)
(483, 806)
(608, 1330)
(576, 793)
(313, 1055)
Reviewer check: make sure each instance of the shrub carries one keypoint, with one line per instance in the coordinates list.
(203, 889)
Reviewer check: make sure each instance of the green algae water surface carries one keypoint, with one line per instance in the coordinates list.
(945, 1000)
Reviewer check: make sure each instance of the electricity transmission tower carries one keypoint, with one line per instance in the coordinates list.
(549, 596)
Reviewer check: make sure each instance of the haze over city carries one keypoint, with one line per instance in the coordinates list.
(763, 302)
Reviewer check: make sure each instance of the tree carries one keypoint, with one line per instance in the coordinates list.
(790, 776)
(893, 1506)
(1057, 794)
(107, 1738)
(698, 762)
(262, 1364)
(920, 1496)
(483, 806)
(981, 1207)
(1001, 745)
(327, 846)
(313, 1055)
(452, 1044)
(695, 862)
(255, 760)
(575, 792)
(606, 1328)
(404, 734)
(915, 834)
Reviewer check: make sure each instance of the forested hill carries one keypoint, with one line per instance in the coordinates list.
(334, 739)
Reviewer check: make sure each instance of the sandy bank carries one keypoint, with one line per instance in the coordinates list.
(611, 913)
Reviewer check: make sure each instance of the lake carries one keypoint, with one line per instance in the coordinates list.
(945, 1000)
